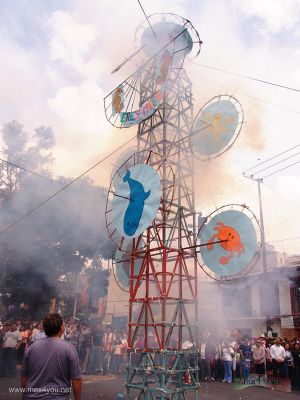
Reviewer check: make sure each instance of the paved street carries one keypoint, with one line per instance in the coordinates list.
(108, 387)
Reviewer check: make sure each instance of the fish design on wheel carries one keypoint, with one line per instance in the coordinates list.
(135, 207)
(231, 241)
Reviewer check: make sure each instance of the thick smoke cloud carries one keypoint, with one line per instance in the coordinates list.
(61, 235)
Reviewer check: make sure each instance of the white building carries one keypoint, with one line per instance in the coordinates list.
(247, 303)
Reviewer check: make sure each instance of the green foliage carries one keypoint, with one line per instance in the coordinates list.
(56, 239)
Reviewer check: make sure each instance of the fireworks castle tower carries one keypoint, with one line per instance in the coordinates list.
(150, 210)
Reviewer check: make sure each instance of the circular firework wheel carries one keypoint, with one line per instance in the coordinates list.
(174, 35)
(139, 96)
(140, 196)
(167, 26)
(121, 264)
(123, 160)
(230, 242)
(216, 127)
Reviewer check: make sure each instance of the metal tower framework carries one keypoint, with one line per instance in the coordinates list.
(163, 296)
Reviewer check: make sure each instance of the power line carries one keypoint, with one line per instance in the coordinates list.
(206, 204)
(249, 77)
(148, 20)
(241, 186)
(63, 188)
(278, 162)
(24, 169)
(17, 158)
(250, 97)
(27, 162)
(272, 158)
(240, 183)
(282, 169)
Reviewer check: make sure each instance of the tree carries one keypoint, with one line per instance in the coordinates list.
(14, 139)
(60, 236)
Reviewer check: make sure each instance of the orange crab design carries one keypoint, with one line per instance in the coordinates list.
(232, 241)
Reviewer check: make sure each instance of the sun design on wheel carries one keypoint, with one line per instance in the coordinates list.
(230, 241)
(218, 124)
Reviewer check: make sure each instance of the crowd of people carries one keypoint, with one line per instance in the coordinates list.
(235, 360)
(101, 350)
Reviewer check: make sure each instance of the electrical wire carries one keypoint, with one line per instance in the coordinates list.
(52, 176)
(250, 97)
(240, 182)
(17, 158)
(110, 154)
(148, 20)
(273, 165)
(255, 166)
(248, 77)
(282, 169)
(26, 170)
(272, 158)
(241, 186)
(5, 229)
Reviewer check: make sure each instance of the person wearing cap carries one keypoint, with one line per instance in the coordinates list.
(263, 340)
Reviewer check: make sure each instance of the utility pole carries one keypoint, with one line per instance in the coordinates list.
(77, 292)
(262, 227)
(261, 217)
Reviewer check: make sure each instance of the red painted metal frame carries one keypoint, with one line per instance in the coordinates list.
(163, 303)
(166, 266)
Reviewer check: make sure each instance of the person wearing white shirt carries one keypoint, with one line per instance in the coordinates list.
(277, 353)
(227, 356)
(11, 343)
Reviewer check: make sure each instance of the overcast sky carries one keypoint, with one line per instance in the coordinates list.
(56, 58)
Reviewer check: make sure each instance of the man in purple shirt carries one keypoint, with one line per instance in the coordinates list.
(51, 365)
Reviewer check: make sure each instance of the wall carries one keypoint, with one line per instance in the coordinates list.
(255, 300)
(285, 298)
(117, 301)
